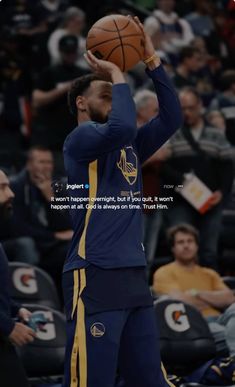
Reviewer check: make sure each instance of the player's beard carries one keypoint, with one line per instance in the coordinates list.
(97, 116)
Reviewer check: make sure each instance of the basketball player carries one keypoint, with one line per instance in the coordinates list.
(110, 319)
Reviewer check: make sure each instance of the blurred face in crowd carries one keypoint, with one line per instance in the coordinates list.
(205, 7)
(69, 58)
(194, 63)
(216, 119)
(40, 165)
(6, 197)
(191, 108)
(75, 25)
(166, 6)
(185, 248)
(97, 101)
(148, 110)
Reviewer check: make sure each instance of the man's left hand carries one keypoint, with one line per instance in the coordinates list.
(148, 45)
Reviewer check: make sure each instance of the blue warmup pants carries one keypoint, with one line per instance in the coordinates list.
(99, 344)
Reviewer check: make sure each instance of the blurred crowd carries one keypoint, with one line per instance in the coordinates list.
(41, 53)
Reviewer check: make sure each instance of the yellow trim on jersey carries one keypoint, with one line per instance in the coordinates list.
(92, 194)
(79, 344)
(165, 376)
(75, 291)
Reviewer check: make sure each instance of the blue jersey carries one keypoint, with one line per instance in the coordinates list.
(103, 162)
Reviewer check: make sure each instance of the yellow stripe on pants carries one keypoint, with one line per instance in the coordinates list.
(165, 376)
(79, 344)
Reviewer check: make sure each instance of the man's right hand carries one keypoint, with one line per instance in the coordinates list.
(105, 69)
(21, 334)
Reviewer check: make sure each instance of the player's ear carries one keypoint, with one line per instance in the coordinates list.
(81, 103)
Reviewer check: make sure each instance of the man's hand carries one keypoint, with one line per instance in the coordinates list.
(216, 198)
(44, 183)
(105, 69)
(148, 45)
(21, 334)
(24, 314)
(149, 50)
(190, 299)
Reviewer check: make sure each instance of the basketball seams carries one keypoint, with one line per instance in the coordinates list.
(103, 29)
(123, 56)
(111, 40)
(110, 30)
(115, 38)
(123, 28)
(111, 52)
(134, 48)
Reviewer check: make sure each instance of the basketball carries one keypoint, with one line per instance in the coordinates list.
(118, 39)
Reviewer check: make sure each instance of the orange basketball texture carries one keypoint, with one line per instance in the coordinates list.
(118, 39)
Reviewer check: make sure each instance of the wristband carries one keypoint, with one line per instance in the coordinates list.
(150, 59)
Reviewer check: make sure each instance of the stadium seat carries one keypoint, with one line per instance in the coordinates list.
(44, 358)
(185, 339)
(30, 284)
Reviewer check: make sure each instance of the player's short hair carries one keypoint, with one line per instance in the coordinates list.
(79, 87)
(184, 228)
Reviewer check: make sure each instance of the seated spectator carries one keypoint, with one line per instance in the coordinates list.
(203, 150)
(175, 32)
(190, 62)
(51, 11)
(185, 280)
(146, 108)
(12, 333)
(227, 241)
(31, 29)
(225, 28)
(216, 119)
(201, 20)
(33, 217)
(195, 69)
(138, 70)
(211, 66)
(53, 120)
(23, 18)
(73, 24)
(225, 101)
(15, 90)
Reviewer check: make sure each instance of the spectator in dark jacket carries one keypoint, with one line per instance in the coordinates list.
(53, 120)
(12, 373)
(204, 151)
(33, 217)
